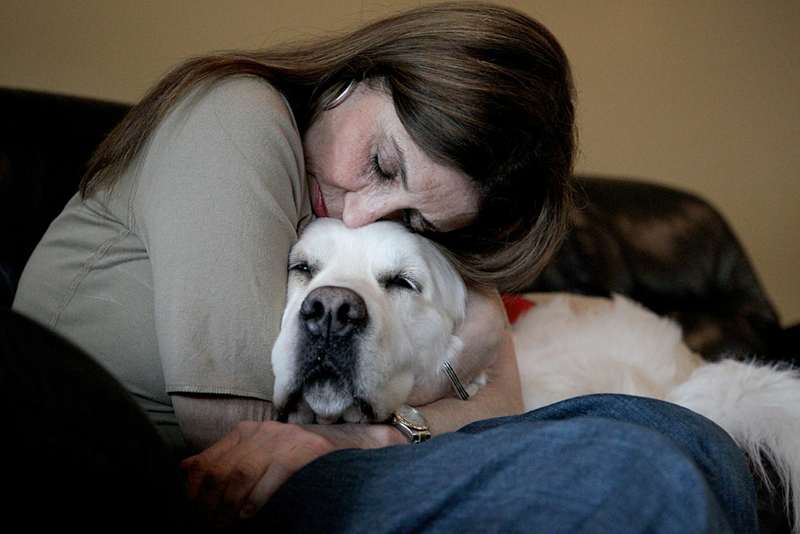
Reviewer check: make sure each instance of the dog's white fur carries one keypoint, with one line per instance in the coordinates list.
(414, 298)
(566, 346)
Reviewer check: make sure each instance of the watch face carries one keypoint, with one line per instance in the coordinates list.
(412, 416)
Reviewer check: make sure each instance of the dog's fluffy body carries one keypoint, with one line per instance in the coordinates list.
(571, 345)
(566, 346)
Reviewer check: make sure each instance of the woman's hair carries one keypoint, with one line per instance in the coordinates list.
(481, 88)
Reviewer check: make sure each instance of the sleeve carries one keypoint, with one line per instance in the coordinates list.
(220, 195)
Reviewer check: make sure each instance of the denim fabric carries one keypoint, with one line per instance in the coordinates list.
(595, 464)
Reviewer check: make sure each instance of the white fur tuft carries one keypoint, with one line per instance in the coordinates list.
(759, 406)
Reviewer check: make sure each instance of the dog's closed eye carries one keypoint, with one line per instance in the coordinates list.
(403, 282)
(302, 268)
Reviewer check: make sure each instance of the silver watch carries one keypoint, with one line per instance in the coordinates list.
(411, 423)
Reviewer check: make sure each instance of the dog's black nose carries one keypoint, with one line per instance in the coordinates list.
(333, 311)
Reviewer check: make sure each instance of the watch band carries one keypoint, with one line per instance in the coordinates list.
(411, 423)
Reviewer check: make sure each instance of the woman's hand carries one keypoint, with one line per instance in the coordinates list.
(236, 476)
(483, 334)
(488, 346)
(501, 396)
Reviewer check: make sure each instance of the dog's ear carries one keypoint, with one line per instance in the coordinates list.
(456, 345)
(448, 287)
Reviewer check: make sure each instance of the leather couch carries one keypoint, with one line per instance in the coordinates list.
(665, 248)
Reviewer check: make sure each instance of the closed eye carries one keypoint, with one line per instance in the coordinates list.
(378, 170)
(402, 282)
(302, 268)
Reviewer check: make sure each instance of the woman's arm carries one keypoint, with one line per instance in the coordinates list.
(236, 476)
(218, 201)
(488, 346)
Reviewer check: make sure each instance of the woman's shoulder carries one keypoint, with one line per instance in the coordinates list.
(239, 118)
(248, 91)
(241, 99)
(232, 135)
(228, 137)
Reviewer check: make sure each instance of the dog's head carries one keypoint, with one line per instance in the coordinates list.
(370, 312)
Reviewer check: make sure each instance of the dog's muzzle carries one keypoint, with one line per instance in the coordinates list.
(330, 321)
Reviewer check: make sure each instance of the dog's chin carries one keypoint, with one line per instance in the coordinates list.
(328, 403)
(325, 403)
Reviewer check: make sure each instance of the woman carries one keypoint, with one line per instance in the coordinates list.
(170, 269)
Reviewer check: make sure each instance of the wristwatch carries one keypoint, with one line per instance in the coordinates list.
(411, 423)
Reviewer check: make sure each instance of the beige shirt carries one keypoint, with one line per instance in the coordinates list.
(176, 280)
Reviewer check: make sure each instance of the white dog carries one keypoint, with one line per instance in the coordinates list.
(369, 313)
(372, 311)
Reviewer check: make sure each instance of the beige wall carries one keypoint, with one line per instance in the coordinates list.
(702, 95)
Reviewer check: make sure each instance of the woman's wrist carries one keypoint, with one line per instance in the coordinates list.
(359, 436)
(389, 435)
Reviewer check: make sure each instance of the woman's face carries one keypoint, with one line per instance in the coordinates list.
(362, 166)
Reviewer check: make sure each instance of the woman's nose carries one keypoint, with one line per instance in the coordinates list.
(361, 209)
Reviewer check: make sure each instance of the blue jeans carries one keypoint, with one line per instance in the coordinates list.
(594, 464)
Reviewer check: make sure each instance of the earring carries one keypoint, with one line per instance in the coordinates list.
(341, 96)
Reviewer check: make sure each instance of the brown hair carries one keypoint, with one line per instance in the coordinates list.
(482, 88)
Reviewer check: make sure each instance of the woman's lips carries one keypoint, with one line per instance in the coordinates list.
(318, 203)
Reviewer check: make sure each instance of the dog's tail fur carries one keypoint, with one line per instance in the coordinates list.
(759, 406)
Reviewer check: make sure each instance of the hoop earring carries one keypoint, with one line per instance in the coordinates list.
(341, 96)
